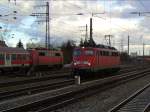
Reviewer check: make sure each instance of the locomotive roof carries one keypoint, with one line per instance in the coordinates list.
(44, 49)
(11, 49)
(106, 47)
(101, 47)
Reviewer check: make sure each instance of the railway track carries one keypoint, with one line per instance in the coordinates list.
(138, 102)
(49, 100)
(18, 87)
(32, 88)
(133, 68)
(36, 73)
(14, 81)
(22, 80)
(27, 86)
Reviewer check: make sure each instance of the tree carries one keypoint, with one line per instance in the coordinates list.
(86, 42)
(67, 49)
(19, 44)
(81, 43)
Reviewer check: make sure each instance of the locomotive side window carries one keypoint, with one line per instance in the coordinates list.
(13, 56)
(42, 53)
(57, 54)
(24, 56)
(28, 56)
(115, 54)
(19, 56)
(51, 54)
(100, 53)
(7, 56)
(89, 52)
(104, 53)
(110, 53)
(77, 53)
(1, 56)
(107, 53)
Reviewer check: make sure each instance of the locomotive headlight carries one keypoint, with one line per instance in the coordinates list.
(75, 63)
(89, 64)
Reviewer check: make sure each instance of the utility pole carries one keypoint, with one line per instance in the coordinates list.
(91, 29)
(86, 35)
(91, 41)
(128, 44)
(121, 45)
(48, 25)
(108, 38)
(143, 50)
(46, 15)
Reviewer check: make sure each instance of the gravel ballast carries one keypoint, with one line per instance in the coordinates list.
(104, 101)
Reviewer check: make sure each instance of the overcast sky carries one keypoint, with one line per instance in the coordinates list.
(113, 17)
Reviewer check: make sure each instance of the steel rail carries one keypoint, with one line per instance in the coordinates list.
(28, 89)
(49, 97)
(5, 83)
(131, 69)
(137, 102)
(83, 94)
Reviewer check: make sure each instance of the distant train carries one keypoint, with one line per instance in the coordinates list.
(94, 59)
(21, 59)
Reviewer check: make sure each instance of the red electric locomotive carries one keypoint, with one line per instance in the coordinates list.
(45, 57)
(95, 59)
(27, 60)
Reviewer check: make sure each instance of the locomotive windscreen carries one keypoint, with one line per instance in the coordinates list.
(89, 52)
(77, 52)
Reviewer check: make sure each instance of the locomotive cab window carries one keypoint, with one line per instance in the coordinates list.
(1, 56)
(14, 57)
(7, 57)
(104, 53)
(89, 52)
(57, 54)
(77, 53)
(42, 54)
(19, 56)
(24, 57)
(101, 53)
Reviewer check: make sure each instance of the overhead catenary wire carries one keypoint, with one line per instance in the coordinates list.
(143, 5)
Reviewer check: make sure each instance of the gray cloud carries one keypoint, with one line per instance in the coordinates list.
(65, 23)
